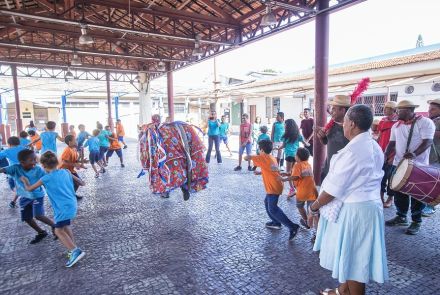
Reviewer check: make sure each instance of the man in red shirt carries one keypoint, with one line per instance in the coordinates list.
(245, 141)
(384, 130)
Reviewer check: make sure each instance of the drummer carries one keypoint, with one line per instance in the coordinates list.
(418, 150)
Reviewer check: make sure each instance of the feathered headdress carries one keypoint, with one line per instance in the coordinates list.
(360, 88)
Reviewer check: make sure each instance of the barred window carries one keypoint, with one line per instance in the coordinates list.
(376, 102)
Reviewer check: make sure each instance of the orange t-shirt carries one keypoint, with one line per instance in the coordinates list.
(69, 155)
(120, 130)
(114, 144)
(268, 164)
(305, 185)
(38, 144)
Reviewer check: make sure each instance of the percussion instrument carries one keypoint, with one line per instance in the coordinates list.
(419, 181)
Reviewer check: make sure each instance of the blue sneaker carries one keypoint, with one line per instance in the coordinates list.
(75, 256)
(428, 211)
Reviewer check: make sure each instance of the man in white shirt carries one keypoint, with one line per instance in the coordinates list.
(418, 150)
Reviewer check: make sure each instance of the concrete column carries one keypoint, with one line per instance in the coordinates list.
(321, 83)
(18, 120)
(109, 101)
(170, 92)
(145, 105)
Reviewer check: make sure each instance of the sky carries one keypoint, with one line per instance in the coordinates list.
(371, 28)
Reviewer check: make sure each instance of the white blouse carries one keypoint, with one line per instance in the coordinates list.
(356, 171)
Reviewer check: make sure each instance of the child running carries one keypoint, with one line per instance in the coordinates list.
(302, 176)
(34, 138)
(93, 144)
(69, 160)
(273, 187)
(24, 141)
(83, 135)
(120, 132)
(245, 141)
(224, 133)
(31, 204)
(59, 187)
(11, 155)
(263, 136)
(115, 147)
(104, 143)
(49, 138)
(290, 143)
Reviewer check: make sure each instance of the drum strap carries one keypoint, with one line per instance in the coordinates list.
(411, 130)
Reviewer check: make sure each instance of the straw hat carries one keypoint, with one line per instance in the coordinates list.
(390, 104)
(406, 104)
(376, 122)
(341, 101)
(436, 101)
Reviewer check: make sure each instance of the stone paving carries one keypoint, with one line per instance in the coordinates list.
(215, 243)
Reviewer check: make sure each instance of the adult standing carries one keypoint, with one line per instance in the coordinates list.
(411, 138)
(333, 137)
(256, 132)
(306, 127)
(276, 137)
(213, 137)
(351, 234)
(434, 154)
(384, 129)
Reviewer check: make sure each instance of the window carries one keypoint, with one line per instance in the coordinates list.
(268, 107)
(276, 106)
(376, 102)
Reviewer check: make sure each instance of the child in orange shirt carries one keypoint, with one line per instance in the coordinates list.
(115, 147)
(34, 137)
(302, 177)
(69, 160)
(273, 187)
(120, 132)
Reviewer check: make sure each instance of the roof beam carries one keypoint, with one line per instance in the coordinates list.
(166, 12)
(53, 19)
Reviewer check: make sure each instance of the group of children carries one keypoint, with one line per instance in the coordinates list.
(58, 176)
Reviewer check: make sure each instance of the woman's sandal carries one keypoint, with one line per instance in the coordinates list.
(327, 291)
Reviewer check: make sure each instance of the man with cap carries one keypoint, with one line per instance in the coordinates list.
(384, 129)
(418, 150)
(334, 137)
(434, 154)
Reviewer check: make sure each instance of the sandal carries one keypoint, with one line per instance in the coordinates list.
(327, 291)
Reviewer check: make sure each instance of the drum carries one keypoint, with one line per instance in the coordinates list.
(419, 181)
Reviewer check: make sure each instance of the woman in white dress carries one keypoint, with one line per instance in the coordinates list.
(350, 235)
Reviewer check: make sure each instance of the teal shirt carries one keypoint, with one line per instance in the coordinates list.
(223, 129)
(290, 148)
(278, 131)
(262, 136)
(103, 140)
(213, 128)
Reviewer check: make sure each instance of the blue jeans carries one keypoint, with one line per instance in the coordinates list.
(275, 213)
(216, 140)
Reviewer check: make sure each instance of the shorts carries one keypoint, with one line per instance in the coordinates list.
(94, 157)
(30, 208)
(118, 152)
(290, 159)
(224, 139)
(62, 223)
(121, 138)
(102, 151)
(276, 152)
(301, 204)
(248, 148)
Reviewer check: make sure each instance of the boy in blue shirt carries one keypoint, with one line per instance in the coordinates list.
(83, 135)
(24, 141)
(224, 132)
(31, 204)
(104, 144)
(93, 144)
(49, 138)
(11, 155)
(59, 188)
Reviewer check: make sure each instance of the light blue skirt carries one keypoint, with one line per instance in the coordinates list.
(354, 247)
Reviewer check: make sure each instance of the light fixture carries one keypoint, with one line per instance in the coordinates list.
(269, 18)
(85, 39)
(68, 73)
(76, 61)
(161, 66)
(197, 51)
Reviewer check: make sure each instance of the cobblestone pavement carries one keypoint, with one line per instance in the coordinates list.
(215, 243)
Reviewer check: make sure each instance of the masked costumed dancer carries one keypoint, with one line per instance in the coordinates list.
(172, 154)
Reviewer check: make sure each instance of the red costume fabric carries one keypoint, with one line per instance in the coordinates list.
(172, 154)
(384, 129)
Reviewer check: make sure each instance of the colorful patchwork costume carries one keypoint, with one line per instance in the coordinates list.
(172, 154)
